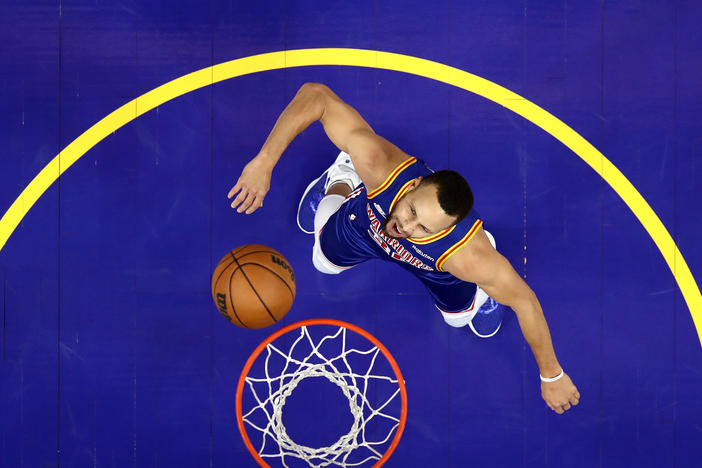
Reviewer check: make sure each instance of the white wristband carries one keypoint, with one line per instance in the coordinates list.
(551, 379)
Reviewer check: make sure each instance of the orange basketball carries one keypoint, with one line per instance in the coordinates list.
(253, 286)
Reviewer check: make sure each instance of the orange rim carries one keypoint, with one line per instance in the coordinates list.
(338, 323)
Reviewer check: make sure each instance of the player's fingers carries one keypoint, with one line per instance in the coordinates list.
(240, 198)
(255, 204)
(574, 400)
(246, 203)
(577, 394)
(254, 207)
(558, 410)
(566, 407)
(233, 191)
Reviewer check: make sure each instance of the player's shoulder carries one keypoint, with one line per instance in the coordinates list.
(472, 259)
(374, 158)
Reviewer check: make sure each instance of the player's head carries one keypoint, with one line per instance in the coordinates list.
(430, 205)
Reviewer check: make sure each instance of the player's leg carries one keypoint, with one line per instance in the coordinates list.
(327, 207)
(321, 200)
(335, 183)
(483, 316)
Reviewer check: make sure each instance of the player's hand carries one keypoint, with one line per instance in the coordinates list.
(560, 395)
(252, 186)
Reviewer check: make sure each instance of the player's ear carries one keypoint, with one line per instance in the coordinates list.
(415, 183)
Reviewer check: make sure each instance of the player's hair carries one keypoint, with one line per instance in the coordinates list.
(454, 193)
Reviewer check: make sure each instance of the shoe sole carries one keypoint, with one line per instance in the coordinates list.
(470, 324)
(299, 206)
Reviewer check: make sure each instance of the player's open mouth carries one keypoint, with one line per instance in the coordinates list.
(395, 230)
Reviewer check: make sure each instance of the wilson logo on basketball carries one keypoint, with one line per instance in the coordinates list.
(222, 305)
(280, 262)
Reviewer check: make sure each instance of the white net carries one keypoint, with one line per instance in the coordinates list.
(352, 370)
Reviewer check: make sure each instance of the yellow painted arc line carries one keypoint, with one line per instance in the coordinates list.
(371, 59)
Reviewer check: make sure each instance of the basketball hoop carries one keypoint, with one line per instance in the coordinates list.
(369, 438)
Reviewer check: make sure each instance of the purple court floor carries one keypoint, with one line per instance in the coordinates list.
(112, 352)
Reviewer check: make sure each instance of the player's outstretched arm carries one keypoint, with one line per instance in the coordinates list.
(373, 156)
(478, 262)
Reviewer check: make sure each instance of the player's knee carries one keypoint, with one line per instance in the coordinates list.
(457, 319)
(321, 267)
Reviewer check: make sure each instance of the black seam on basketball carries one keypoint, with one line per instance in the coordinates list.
(220, 275)
(276, 274)
(230, 263)
(231, 300)
(263, 266)
(254, 289)
(239, 249)
(258, 251)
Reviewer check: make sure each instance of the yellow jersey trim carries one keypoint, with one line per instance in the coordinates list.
(393, 175)
(440, 262)
(399, 195)
(433, 237)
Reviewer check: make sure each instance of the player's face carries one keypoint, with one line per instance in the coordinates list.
(417, 214)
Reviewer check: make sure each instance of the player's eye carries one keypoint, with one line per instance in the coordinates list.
(425, 229)
(413, 211)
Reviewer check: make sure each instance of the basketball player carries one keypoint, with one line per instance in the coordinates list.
(375, 201)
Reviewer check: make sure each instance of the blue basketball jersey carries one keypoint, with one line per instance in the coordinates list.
(353, 235)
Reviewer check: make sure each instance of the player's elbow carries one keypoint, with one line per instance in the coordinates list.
(313, 99)
(524, 300)
(314, 88)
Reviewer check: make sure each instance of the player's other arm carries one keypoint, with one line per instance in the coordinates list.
(373, 156)
(478, 262)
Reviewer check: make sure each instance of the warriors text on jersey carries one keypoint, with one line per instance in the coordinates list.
(353, 235)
